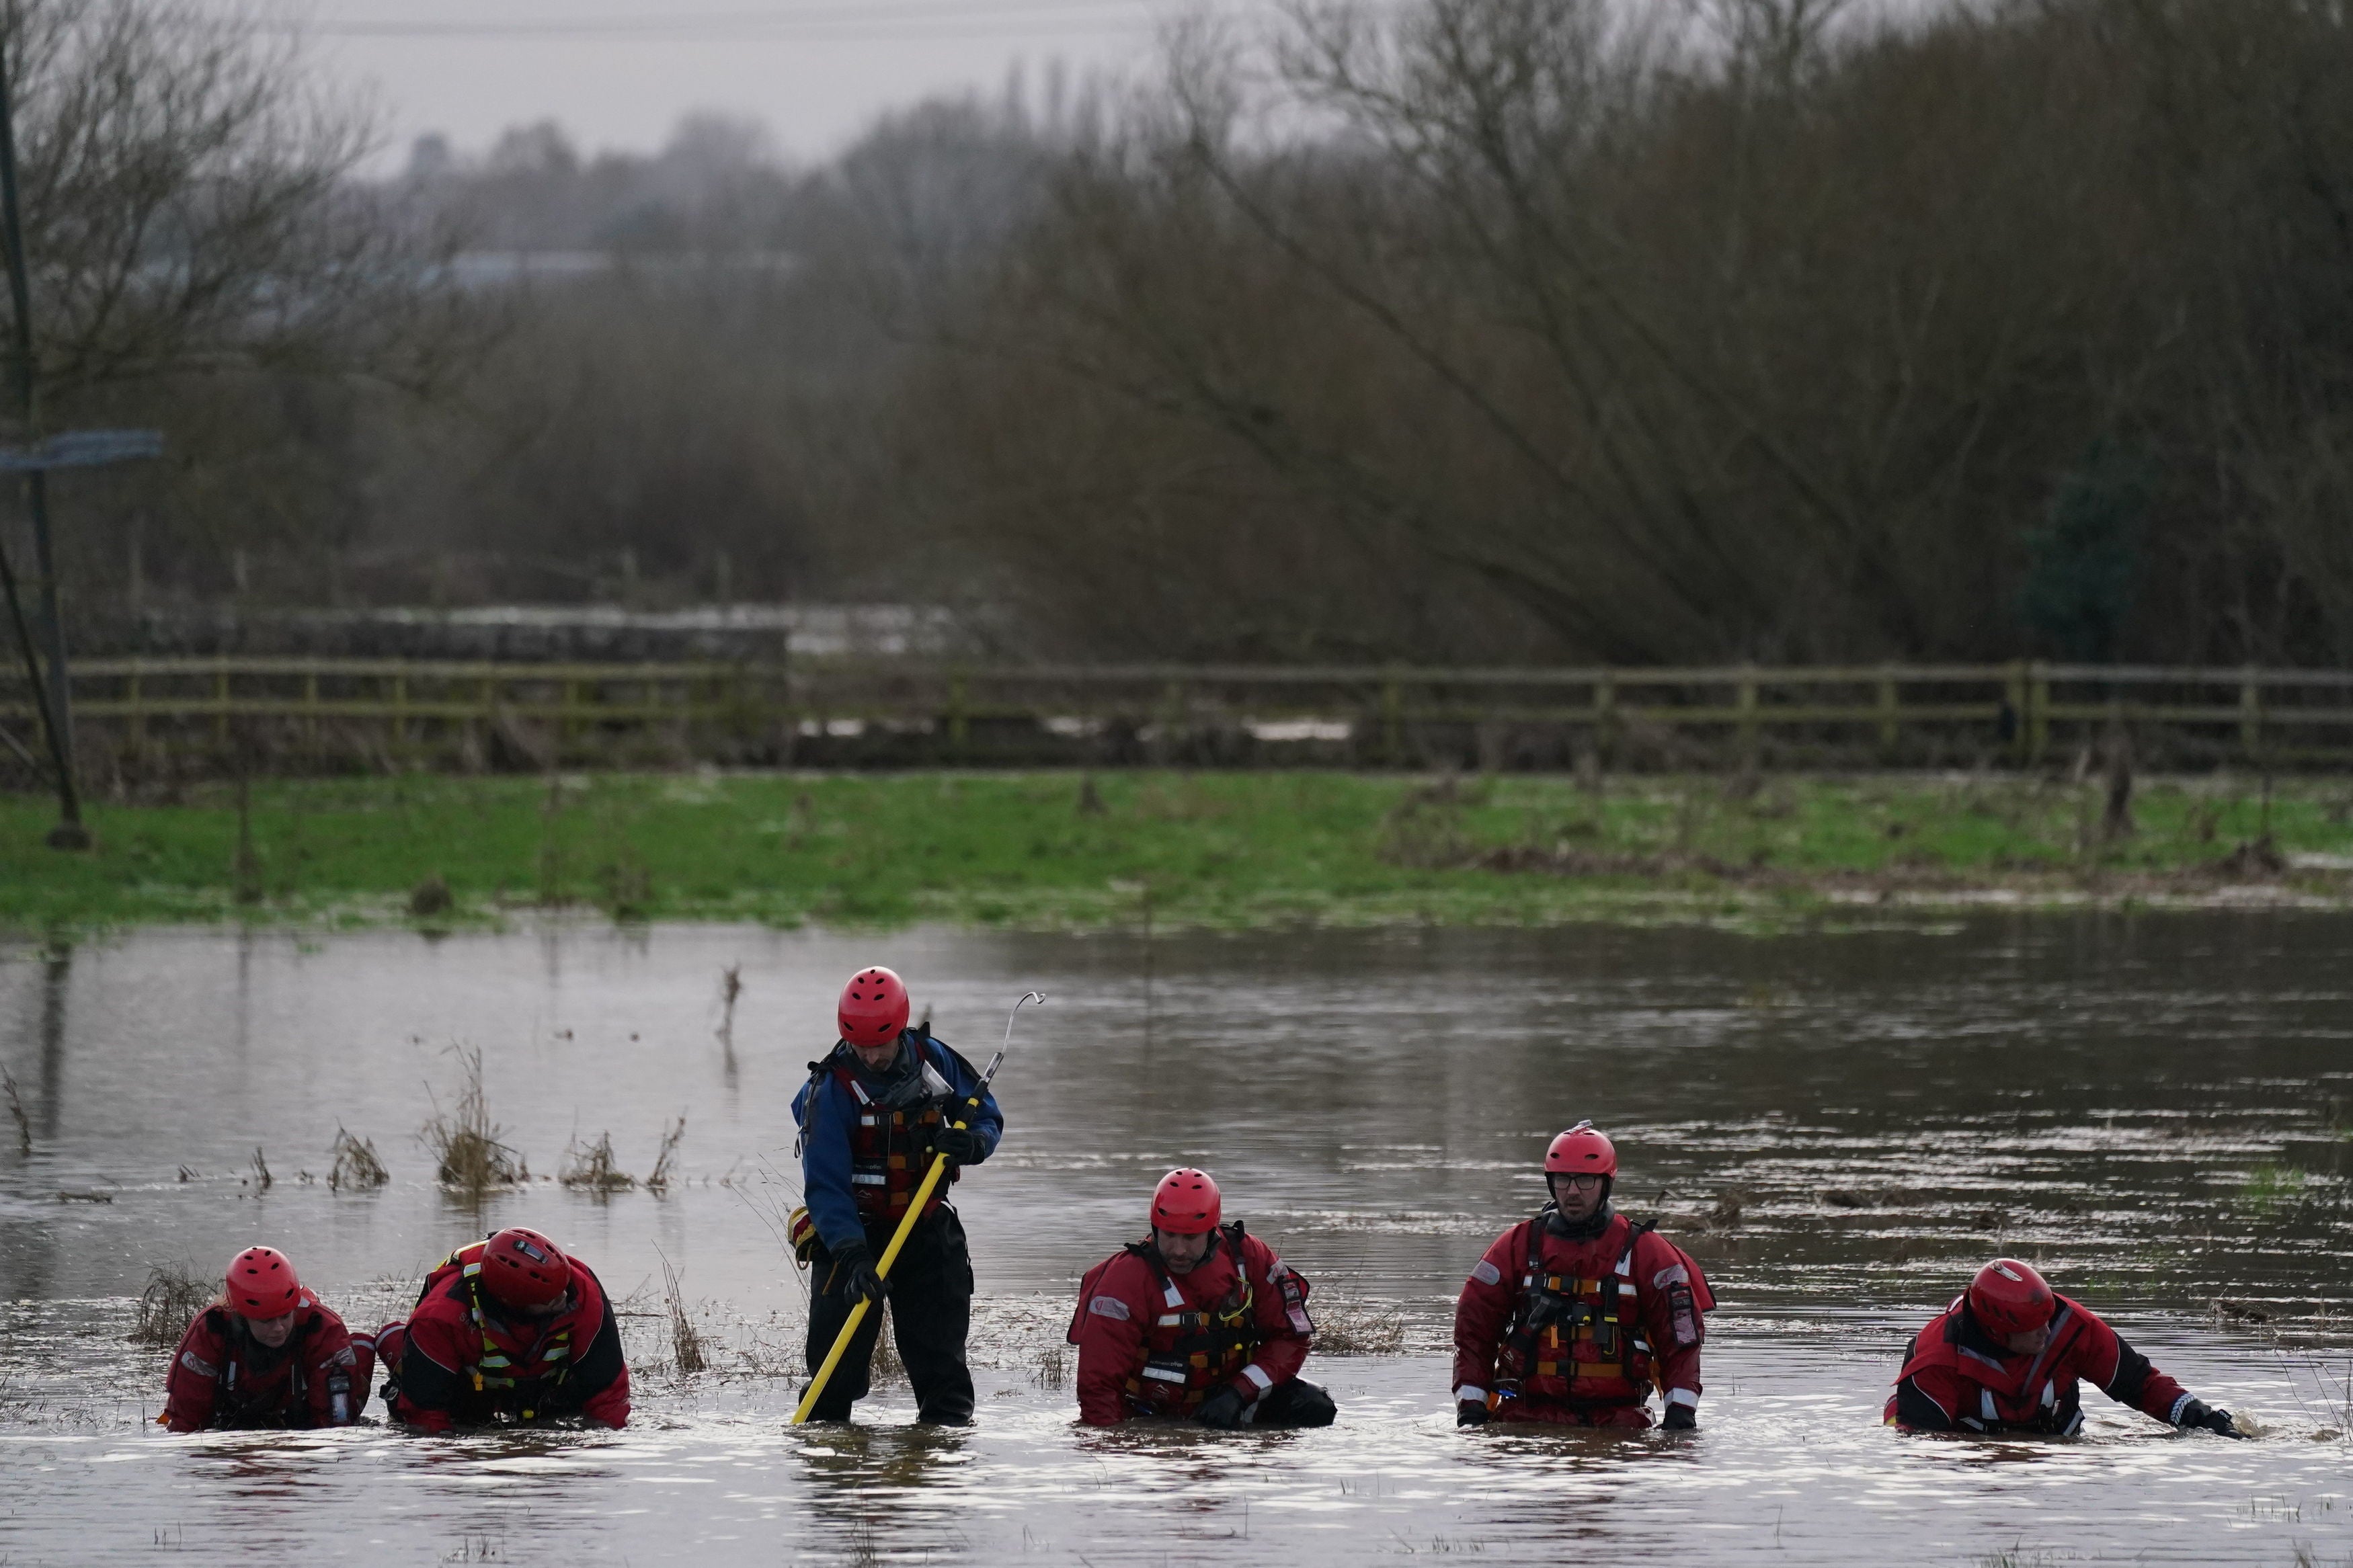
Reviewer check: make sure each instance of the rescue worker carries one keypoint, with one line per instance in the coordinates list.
(1572, 1316)
(1198, 1321)
(265, 1354)
(2006, 1357)
(507, 1330)
(873, 1114)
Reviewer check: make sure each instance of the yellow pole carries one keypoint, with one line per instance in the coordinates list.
(915, 1211)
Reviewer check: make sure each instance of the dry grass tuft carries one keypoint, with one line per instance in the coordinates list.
(470, 1157)
(688, 1353)
(1349, 1326)
(886, 1367)
(659, 1181)
(592, 1169)
(1052, 1370)
(261, 1178)
(172, 1299)
(430, 899)
(357, 1164)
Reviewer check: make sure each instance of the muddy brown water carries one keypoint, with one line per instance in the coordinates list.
(1841, 1126)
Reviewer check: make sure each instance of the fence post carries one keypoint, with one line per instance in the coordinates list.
(1605, 719)
(2250, 715)
(2038, 712)
(1745, 701)
(138, 715)
(1888, 712)
(220, 701)
(1172, 720)
(310, 702)
(2015, 695)
(400, 715)
(1392, 723)
(958, 725)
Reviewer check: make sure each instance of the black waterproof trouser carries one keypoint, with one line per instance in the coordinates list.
(1298, 1403)
(931, 1308)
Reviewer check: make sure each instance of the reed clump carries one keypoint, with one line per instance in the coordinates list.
(591, 1168)
(687, 1352)
(167, 1306)
(471, 1156)
(357, 1164)
(659, 1181)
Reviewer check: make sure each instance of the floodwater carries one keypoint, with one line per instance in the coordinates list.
(2154, 1109)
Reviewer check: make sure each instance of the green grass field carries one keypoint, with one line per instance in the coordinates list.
(1052, 850)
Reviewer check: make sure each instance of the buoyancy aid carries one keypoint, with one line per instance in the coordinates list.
(1190, 1352)
(259, 1386)
(2018, 1393)
(1576, 1339)
(550, 1358)
(890, 1145)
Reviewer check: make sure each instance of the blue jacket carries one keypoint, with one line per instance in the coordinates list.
(827, 1113)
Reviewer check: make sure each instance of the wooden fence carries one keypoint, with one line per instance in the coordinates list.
(339, 713)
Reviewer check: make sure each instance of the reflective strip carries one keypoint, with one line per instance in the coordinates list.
(2050, 1396)
(1470, 1394)
(1678, 1275)
(1486, 1273)
(2179, 1407)
(869, 1181)
(1175, 1297)
(1985, 1400)
(860, 1093)
(197, 1365)
(1258, 1377)
(1109, 1307)
(1171, 1320)
(470, 1270)
(1684, 1396)
(869, 1120)
(1164, 1374)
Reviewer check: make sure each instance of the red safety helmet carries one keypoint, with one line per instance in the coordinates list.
(2010, 1297)
(873, 1007)
(1582, 1150)
(1186, 1202)
(261, 1284)
(523, 1268)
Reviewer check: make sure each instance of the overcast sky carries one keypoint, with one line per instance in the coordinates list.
(619, 73)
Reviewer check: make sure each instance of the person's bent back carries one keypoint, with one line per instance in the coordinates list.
(506, 1330)
(265, 1354)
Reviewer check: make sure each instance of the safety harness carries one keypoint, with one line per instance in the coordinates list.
(1555, 1312)
(496, 1369)
(1200, 1347)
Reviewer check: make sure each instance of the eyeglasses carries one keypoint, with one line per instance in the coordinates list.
(1583, 1183)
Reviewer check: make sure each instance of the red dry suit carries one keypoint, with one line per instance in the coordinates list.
(1155, 1343)
(1576, 1332)
(467, 1360)
(1957, 1377)
(223, 1377)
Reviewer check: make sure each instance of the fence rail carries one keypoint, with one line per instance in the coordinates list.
(338, 712)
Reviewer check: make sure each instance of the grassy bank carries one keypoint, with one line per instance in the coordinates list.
(1220, 849)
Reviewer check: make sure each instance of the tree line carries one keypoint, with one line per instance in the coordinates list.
(1453, 330)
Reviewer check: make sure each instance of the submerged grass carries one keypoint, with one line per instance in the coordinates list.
(1233, 849)
(470, 1156)
(356, 1165)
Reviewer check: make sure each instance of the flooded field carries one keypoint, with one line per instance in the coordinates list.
(1841, 1127)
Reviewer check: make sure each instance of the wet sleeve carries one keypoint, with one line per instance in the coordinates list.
(1285, 1330)
(1483, 1312)
(1110, 1323)
(334, 1401)
(1674, 1298)
(2126, 1375)
(988, 1121)
(600, 1378)
(432, 1376)
(825, 1165)
(1916, 1409)
(192, 1385)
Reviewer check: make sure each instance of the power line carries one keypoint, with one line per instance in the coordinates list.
(830, 21)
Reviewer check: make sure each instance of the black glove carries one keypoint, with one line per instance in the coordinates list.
(1222, 1409)
(853, 1273)
(1681, 1418)
(2205, 1417)
(1471, 1412)
(961, 1145)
